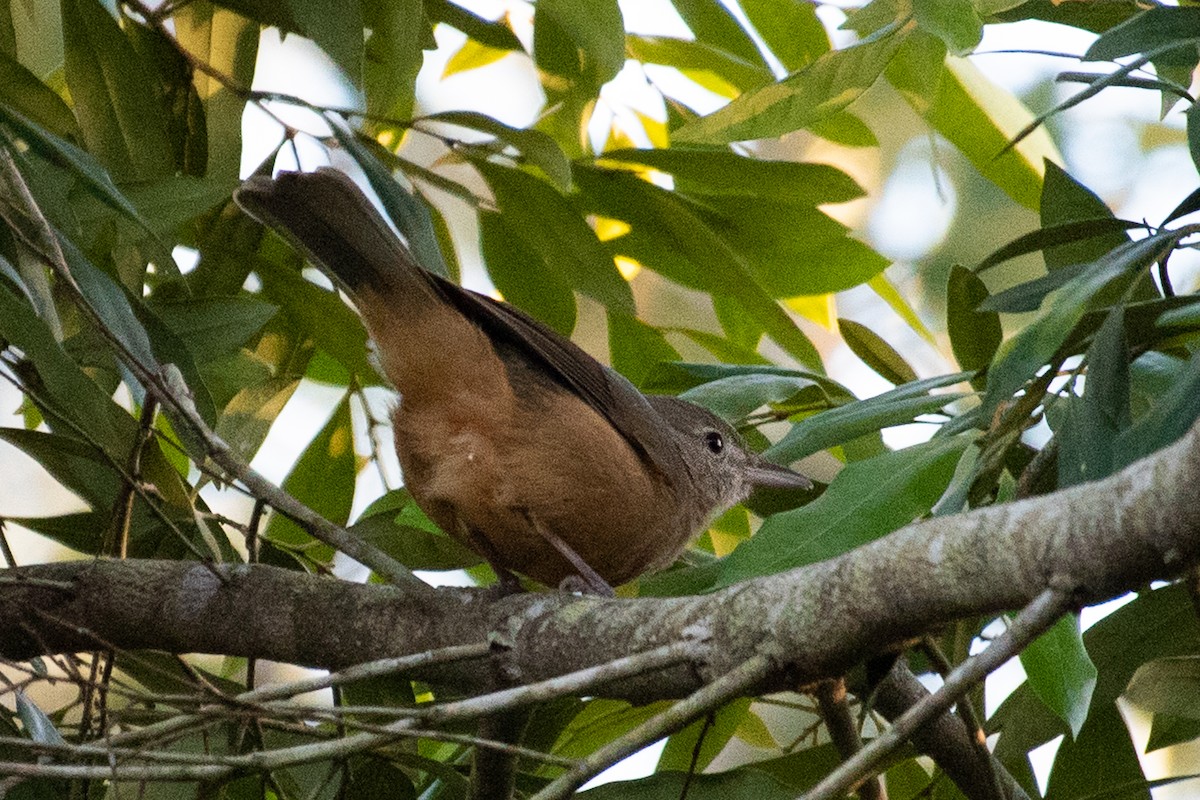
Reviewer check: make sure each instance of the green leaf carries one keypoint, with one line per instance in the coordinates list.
(72, 395)
(538, 148)
(23, 92)
(409, 215)
(1052, 235)
(720, 173)
(876, 353)
(1028, 296)
(867, 500)
(828, 85)
(522, 277)
(78, 162)
(38, 726)
(1037, 344)
(955, 22)
(717, 731)
(1065, 201)
(1060, 672)
(110, 304)
(323, 479)
(1151, 30)
(495, 34)
(215, 327)
(1168, 686)
(397, 526)
(711, 21)
(392, 55)
(248, 416)
(677, 377)
(113, 89)
(686, 249)
(741, 782)
(975, 115)
(847, 422)
(1167, 730)
(733, 398)
(76, 465)
(636, 347)
(1092, 426)
(549, 226)
(715, 69)
(321, 315)
(791, 30)
(227, 42)
(167, 203)
(337, 28)
(1170, 416)
(974, 334)
(595, 31)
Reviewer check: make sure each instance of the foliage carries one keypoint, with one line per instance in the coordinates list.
(123, 134)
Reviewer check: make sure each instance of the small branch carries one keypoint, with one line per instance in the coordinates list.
(117, 541)
(843, 732)
(713, 696)
(1034, 620)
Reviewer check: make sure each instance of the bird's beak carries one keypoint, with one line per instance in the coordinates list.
(763, 474)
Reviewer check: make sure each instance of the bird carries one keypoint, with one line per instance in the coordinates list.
(510, 437)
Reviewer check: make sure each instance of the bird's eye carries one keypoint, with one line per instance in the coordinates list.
(714, 442)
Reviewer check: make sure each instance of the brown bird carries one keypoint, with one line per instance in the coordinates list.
(510, 437)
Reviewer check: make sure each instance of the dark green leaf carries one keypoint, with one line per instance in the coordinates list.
(717, 730)
(114, 92)
(681, 243)
(406, 534)
(711, 21)
(62, 153)
(409, 215)
(868, 499)
(1191, 203)
(373, 778)
(392, 55)
(876, 353)
(538, 148)
(76, 465)
(674, 378)
(1170, 416)
(23, 92)
(974, 334)
(337, 28)
(1036, 345)
(1060, 672)
(320, 314)
(847, 422)
(492, 34)
(1054, 235)
(522, 277)
(1167, 730)
(228, 42)
(549, 226)
(1154, 29)
(72, 395)
(734, 397)
(826, 86)
(167, 203)
(720, 173)
(594, 30)
(636, 347)
(323, 479)
(1065, 200)
(248, 416)
(215, 327)
(1028, 296)
(1092, 426)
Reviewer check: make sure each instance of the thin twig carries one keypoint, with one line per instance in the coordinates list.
(1034, 620)
(117, 541)
(843, 732)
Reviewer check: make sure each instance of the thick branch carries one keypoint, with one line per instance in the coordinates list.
(814, 622)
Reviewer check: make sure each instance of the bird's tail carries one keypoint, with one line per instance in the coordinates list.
(328, 218)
